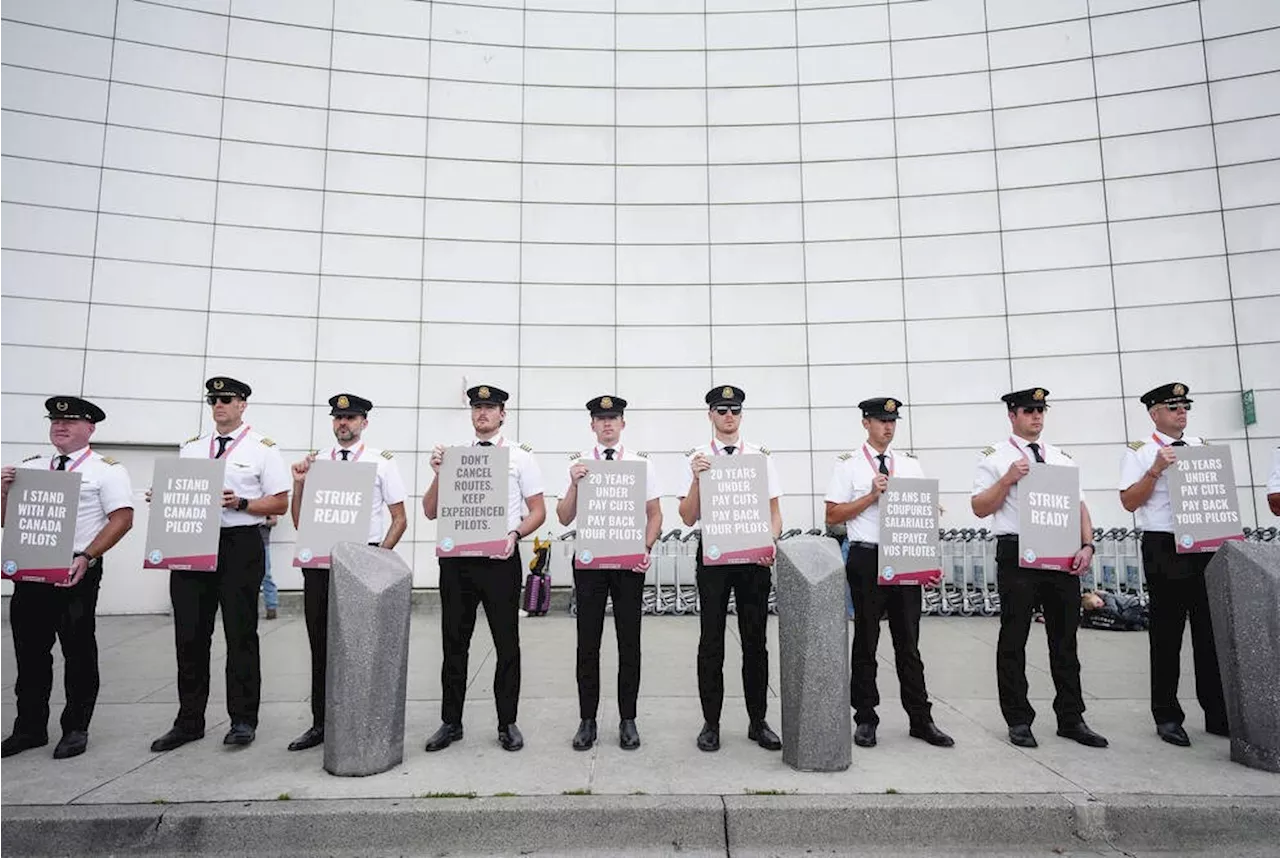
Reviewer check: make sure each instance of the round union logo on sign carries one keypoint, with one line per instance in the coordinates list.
(1187, 540)
(887, 573)
(155, 555)
(1029, 556)
(446, 544)
(10, 567)
(714, 552)
(586, 556)
(305, 555)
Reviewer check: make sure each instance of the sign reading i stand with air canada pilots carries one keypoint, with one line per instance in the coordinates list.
(1048, 517)
(472, 502)
(40, 525)
(736, 524)
(910, 552)
(611, 516)
(1202, 493)
(186, 514)
(337, 506)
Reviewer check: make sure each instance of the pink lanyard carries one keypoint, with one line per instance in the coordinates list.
(875, 469)
(226, 454)
(1156, 438)
(333, 454)
(74, 464)
(617, 453)
(1022, 451)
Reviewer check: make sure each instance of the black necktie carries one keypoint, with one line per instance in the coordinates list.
(486, 443)
(223, 441)
(1035, 451)
(884, 468)
(608, 454)
(728, 449)
(345, 454)
(62, 462)
(1178, 443)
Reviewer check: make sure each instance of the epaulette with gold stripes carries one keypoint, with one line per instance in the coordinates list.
(267, 442)
(908, 454)
(107, 460)
(765, 450)
(987, 451)
(387, 454)
(32, 458)
(1068, 455)
(192, 438)
(573, 457)
(643, 455)
(1137, 445)
(690, 451)
(526, 448)
(844, 457)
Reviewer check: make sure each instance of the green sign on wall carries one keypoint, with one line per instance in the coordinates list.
(1250, 410)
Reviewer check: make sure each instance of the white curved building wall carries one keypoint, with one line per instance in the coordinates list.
(818, 201)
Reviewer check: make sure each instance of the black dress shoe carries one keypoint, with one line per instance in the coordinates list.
(709, 738)
(931, 734)
(1080, 732)
(585, 738)
(19, 742)
(510, 738)
(240, 734)
(175, 738)
(72, 744)
(1172, 732)
(628, 735)
(444, 737)
(314, 736)
(762, 734)
(864, 736)
(1020, 735)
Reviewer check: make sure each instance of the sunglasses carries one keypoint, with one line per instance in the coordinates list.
(225, 398)
(1177, 408)
(1034, 409)
(728, 409)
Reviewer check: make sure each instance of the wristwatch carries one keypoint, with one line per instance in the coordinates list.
(1089, 545)
(89, 560)
(243, 504)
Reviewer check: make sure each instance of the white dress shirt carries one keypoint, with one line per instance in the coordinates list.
(852, 479)
(1273, 481)
(1157, 513)
(994, 463)
(525, 478)
(255, 469)
(652, 489)
(104, 488)
(742, 448)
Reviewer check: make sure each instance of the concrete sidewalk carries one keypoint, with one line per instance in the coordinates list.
(748, 794)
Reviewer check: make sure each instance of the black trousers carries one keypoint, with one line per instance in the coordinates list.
(1058, 595)
(315, 609)
(1175, 583)
(39, 613)
(465, 584)
(871, 602)
(196, 598)
(750, 585)
(594, 587)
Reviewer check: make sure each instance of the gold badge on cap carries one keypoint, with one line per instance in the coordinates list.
(727, 393)
(218, 384)
(343, 402)
(61, 405)
(890, 405)
(1038, 394)
(1179, 390)
(483, 393)
(606, 402)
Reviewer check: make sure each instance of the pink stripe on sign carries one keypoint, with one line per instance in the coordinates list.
(493, 548)
(924, 576)
(41, 576)
(746, 555)
(190, 562)
(1209, 544)
(618, 561)
(1056, 564)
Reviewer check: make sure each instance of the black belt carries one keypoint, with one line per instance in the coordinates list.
(869, 546)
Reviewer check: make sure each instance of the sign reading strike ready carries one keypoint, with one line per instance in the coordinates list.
(611, 515)
(472, 502)
(186, 514)
(1202, 493)
(40, 525)
(735, 510)
(1049, 517)
(909, 547)
(337, 505)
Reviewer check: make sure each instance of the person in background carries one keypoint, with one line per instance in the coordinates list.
(270, 593)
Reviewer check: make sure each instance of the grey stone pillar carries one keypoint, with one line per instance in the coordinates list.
(368, 667)
(1244, 599)
(813, 647)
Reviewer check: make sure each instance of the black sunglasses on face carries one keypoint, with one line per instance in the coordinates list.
(1175, 408)
(1034, 409)
(728, 409)
(225, 398)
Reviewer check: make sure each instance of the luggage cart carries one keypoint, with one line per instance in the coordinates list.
(562, 551)
(1132, 579)
(931, 595)
(953, 580)
(686, 577)
(664, 581)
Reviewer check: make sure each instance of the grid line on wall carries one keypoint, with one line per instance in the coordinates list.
(324, 196)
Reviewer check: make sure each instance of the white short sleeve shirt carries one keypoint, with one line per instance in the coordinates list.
(104, 488)
(852, 478)
(994, 463)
